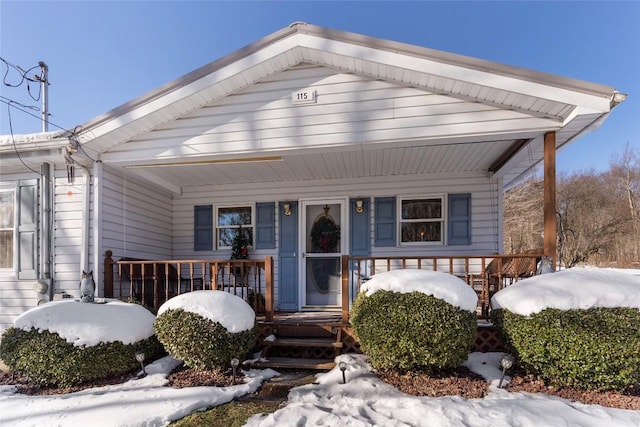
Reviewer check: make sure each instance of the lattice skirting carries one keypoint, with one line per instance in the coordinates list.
(487, 340)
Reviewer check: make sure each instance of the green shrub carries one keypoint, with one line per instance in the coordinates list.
(412, 330)
(201, 343)
(48, 359)
(597, 348)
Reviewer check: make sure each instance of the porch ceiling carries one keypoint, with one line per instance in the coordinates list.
(326, 165)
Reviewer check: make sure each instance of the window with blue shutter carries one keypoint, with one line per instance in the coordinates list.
(459, 219)
(265, 226)
(385, 221)
(27, 216)
(203, 228)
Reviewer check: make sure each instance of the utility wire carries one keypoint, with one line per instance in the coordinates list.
(15, 148)
(24, 77)
(18, 106)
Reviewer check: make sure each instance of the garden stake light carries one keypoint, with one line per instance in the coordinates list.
(140, 358)
(506, 363)
(343, 367)
(234, 365)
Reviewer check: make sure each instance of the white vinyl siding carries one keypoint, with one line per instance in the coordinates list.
(484, 196)
(136, 217)
(350, 111)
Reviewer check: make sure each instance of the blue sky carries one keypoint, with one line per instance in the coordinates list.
(103, 54)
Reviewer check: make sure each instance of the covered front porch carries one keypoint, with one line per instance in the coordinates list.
(153, 282)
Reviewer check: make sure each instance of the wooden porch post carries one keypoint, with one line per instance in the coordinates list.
(345, 289)
(268, 298)
(550, 231)
(108, 274)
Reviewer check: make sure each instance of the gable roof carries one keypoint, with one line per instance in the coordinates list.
(565, 105)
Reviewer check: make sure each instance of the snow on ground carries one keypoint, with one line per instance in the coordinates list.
(575, 288)
(139, 402)
(440, 285)
(363, 401)
(367, 401)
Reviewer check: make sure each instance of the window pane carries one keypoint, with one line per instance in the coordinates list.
(422, 209)
(226, 236)
(421, 232)
(6, 209)
(6, 248)
(234, 216)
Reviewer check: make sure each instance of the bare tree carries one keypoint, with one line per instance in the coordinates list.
(523, 219)
(598, 214)
(624, 178)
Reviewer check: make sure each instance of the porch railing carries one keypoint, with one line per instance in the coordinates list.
(486, 274)
(152, 282)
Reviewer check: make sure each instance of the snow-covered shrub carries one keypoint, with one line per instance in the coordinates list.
(68, 342)
(409, 319)
(577, 327)
(206, 329)
(597, 348)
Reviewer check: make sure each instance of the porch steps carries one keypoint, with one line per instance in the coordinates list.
(300, 345)
(295, 363)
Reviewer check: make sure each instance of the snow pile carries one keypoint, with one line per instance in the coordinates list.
(571, 289)
(230, 311)
(367, 401)
(443, 286)
(142, 402)
(85, 324)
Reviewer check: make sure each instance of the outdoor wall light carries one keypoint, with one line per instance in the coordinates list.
(506, 363)
(359, 205)
(286, 206)
(343, 367)
(234, 365)
(140, 358)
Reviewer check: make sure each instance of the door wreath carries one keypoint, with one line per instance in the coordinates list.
(325, 238)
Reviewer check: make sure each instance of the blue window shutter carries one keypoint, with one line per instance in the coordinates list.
(265, 226)
(288, 260)
(360, 229)
(385, 221)
(459, 221)
(203, 228)
(27, 244)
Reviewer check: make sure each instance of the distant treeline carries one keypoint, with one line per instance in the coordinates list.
(598, 214)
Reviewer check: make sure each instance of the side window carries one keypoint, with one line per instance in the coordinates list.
(7, 227)
(229, 221)
(421, 220)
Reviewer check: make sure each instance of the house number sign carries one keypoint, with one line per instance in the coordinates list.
(306, 96)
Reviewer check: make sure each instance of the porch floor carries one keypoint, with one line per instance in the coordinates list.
(328, 318)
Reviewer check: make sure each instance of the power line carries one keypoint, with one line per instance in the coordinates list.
(17, 105)
(24, 77)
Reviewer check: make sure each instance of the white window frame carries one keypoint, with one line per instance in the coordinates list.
(217, 227)
(12, 188)
(442, 220)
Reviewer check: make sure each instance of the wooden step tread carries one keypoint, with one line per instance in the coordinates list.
(304, 342)
(295, 363)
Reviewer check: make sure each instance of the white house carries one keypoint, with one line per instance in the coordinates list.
(375, 148)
